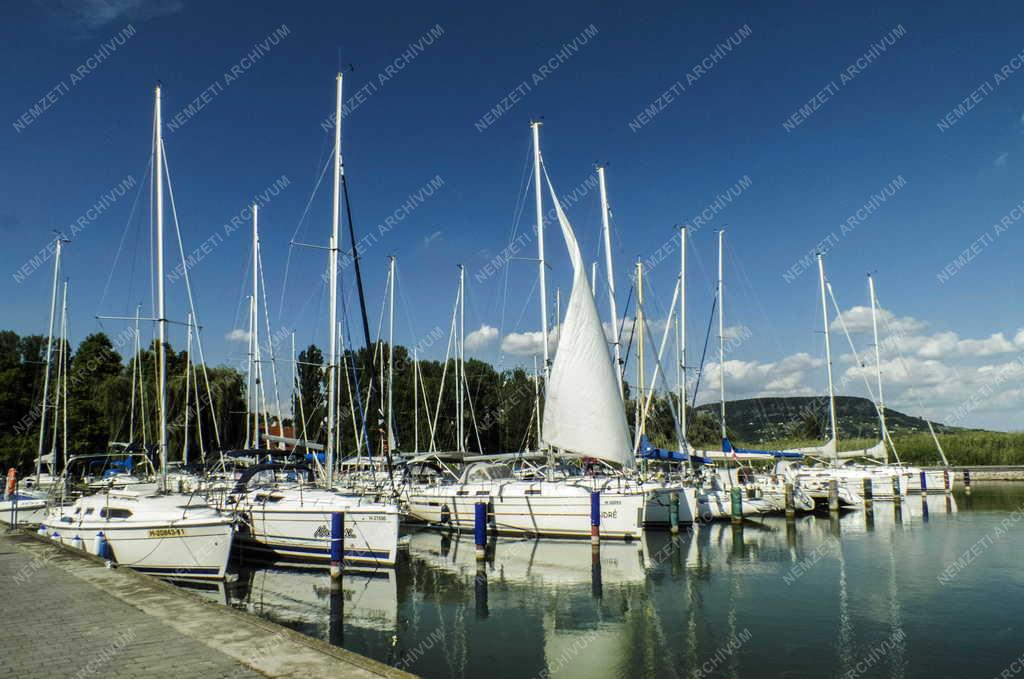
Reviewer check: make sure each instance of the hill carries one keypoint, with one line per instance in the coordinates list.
(769, 419)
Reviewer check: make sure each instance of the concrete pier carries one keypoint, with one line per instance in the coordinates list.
(68, 615)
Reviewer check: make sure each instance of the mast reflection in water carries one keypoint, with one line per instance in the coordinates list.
(819, 596)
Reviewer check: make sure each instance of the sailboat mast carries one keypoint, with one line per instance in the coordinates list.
(878, 368)
(610, 273)
(249, 398)
(539, 204)
(135, 363)
(161, 315)
(256, 318)
(828, 358)
(415, 401)
(49, 355)
(639, 350)
(188, 386)
(67, 350)
(721, 330)
(62, 379)
(460, 371)
(682, 334)
(391, 351)
(333, 283)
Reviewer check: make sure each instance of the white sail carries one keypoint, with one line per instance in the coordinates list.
(583, 411)
(875, 452)
(827, 449)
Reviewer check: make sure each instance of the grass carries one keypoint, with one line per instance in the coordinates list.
(962, 448)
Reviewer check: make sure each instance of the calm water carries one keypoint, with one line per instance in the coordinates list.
(818, 597)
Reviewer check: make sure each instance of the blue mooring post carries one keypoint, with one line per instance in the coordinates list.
(337, 543)
(924, 482)
(480, 530)
(967, 481)
(595, 517)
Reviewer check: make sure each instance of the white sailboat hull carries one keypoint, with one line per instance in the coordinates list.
(717, 504)
(28, 510)
(304, 533)
(551, 509)
(186, 549)
(936, 480)
(657, 514)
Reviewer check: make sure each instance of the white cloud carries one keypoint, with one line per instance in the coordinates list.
(906, 335)
(481, 338)
(1000, 160)
(858, 319)
(996, 343)
(939, 375)
(897, 373)
(237, 335)
(751, 379)
(938, 345)
(523, 343)
(801, 361)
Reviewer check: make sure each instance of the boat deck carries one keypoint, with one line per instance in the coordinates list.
(67, 615)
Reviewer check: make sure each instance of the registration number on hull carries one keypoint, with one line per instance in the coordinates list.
(166, 532)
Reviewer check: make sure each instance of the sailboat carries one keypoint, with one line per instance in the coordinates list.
(874, 466)
(662, 487)
(285, 514)
(169, 534)
(583, 418)
(714, 484)
(29, 503)
(850, 478)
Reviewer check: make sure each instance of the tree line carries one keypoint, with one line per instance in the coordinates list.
(111, 396)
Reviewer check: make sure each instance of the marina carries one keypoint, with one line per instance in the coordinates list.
(533, 397)
(869, 590)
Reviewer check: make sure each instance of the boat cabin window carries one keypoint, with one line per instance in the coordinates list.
(115, 513)
(88, 511)
(486, 471)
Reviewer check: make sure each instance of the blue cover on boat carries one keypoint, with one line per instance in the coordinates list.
(729, 448)
(649, 452)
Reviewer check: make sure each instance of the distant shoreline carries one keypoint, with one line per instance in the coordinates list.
(990, 472)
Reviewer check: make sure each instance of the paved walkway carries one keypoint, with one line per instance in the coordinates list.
(66, 615)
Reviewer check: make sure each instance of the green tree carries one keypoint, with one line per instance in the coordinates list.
(312, 390)
(93, 369)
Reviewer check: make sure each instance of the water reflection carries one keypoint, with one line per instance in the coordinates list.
(811, 596)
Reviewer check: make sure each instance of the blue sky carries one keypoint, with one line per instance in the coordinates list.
(881, 83)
